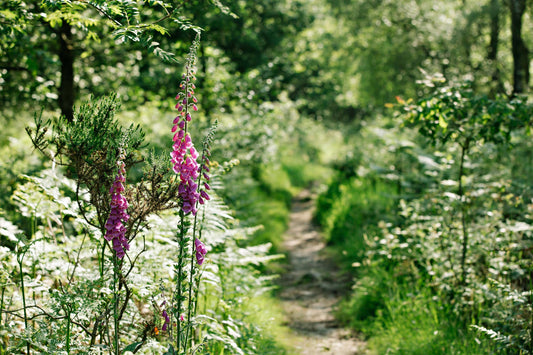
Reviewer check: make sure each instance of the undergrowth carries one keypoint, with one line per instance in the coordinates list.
(436, 228)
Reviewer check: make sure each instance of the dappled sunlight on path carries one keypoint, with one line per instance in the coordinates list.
(311, 288)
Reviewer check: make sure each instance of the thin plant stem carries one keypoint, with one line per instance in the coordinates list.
(68, 332)
(23, 300)
(116, 299)
(197, 289)
(191, 279)
(180, 272)
(191, 286)
(195, 304)
(2, 304)
(531, 304)
(192, 302)
(102, 259)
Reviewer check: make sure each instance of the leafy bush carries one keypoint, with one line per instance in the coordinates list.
(451, 262)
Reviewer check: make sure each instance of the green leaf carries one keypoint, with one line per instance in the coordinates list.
(9, 230)
(133, 347)
(443, 124)
(170, 350)
(159, 29)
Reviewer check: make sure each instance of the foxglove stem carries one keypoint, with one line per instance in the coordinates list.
(116, 300)
(179, 280)
(197, 290)
(199, 251)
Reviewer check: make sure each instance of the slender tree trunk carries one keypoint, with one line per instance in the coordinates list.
(460, 192)
(492, 55)
(494, 29)
(520, 51)
(66, 57)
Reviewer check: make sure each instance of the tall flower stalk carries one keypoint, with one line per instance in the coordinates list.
(116, 234)
(118, 216)
(192, 191)
(199, 251)
(184, 163)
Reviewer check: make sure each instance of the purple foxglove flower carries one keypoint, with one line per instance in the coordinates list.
(194, 153)
(200, 247)
(115, 229)
(199, 258)
(184, 156)
(167, 320)
(205, 195)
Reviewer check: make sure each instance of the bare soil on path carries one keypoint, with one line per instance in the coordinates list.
(312, 287)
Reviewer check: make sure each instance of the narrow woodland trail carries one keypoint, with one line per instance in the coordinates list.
(311, 288)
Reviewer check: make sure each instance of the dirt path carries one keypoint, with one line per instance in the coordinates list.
(311, 288)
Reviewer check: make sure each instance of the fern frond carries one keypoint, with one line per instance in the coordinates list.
(494, 335)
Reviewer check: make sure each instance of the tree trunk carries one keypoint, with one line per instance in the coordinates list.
(520, 51)
(492, 55)
(66, 57)
(460, 192)
(494, 29)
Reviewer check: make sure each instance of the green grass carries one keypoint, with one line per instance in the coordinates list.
(265, 312)
(418, 324)
(352, 209)
(403, 319)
